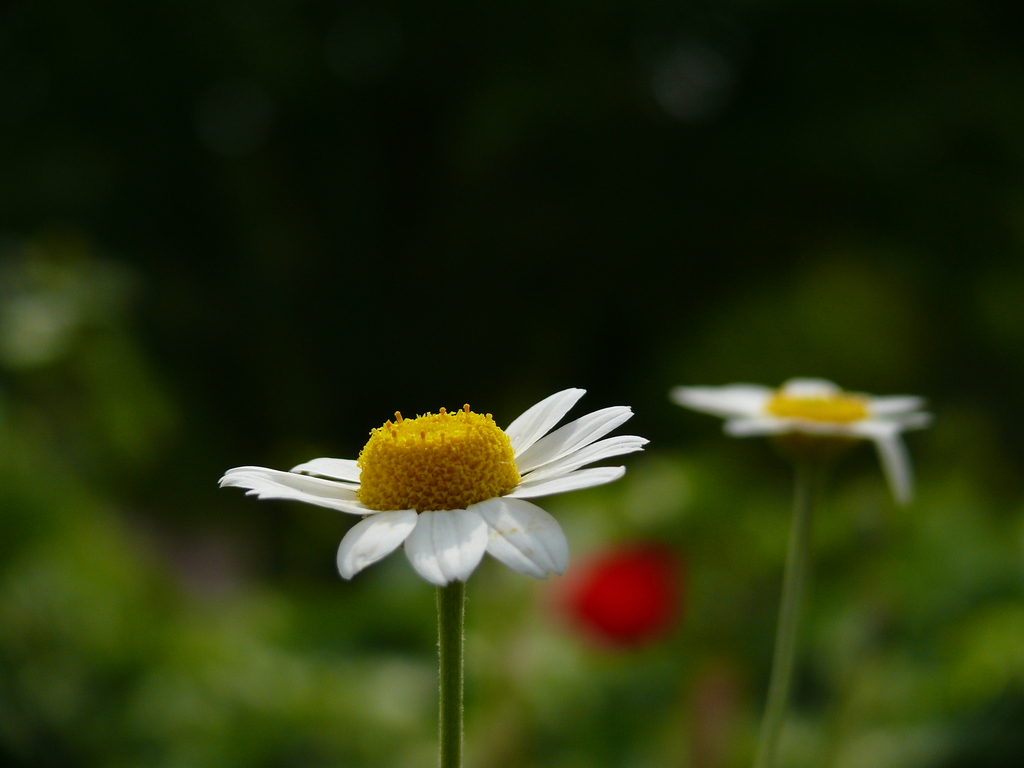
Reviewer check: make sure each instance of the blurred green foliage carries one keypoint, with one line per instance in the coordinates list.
(246, 233)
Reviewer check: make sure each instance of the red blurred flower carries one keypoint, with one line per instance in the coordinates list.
(625, 596)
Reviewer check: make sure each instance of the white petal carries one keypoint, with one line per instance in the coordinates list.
(573, 436)
(810, 388)
(757, 426)
(912, 420)
(893, 455)
(775, 426)
(266, 483)
(730, 401)
(537, 420)
(896, 464)
(894, 404)
(602, 449)
(447, 545)
(573, 481)
(373, 538)
(524, 537)
(338, 469)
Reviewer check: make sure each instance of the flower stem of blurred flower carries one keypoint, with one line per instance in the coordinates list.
(451, 613)
(786, 635)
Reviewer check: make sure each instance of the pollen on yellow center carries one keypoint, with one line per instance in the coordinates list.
(436, 461)
(839, 408)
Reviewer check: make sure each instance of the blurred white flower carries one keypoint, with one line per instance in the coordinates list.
(819, 409)
(451, 486)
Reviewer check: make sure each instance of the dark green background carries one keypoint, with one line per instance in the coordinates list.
(247, 232)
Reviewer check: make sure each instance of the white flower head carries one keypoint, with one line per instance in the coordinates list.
(817, 408)
(451, 486)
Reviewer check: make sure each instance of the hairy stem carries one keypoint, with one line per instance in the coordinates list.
(451, 611)
(793, 587)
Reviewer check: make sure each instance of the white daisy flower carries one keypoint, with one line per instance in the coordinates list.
(451, 486)
(817, 408)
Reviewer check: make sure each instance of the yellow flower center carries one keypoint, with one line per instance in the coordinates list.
(839, 407)
(436, 461)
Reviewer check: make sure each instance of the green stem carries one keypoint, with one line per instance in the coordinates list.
(789, 615)
(451, 612)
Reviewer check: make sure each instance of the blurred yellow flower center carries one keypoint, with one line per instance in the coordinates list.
(838, 408)
(436, 461)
